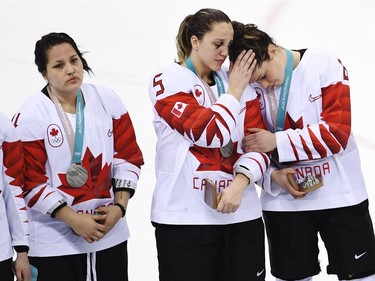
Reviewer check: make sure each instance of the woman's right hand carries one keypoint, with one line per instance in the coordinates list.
(89, 227)
(240, 73)
(280, 177)
(85, 225)
(229, 200)
(22, 267)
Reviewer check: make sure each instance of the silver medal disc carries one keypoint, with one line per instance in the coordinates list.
(76, 175)
(227, 150)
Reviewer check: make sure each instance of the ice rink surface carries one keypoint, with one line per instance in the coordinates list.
(127, 41)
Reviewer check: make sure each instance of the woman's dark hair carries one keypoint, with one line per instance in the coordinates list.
(50, 40)
(248, 36)
(198, 24)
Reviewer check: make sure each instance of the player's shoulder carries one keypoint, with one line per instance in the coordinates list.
(99, 96)
(5, 127)
(171, 80)
(34, 104)
(3, 119)
(97, 91)
(95, 88)
(318, 54)
(175, 75)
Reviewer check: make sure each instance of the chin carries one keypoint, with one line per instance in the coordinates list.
(74, 86)
(217, 67)
(72, 90)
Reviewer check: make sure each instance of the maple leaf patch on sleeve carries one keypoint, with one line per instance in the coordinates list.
(178, 109)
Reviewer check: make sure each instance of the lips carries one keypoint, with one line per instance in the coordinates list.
(73, 79)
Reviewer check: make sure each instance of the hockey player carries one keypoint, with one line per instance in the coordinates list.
(82, 164)
(199, 117)
(305, 100)
(13, 217)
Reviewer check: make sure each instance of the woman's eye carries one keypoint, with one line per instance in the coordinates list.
(218, 45)
(262, 77)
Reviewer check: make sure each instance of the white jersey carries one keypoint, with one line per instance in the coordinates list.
(109, 151)
(192, 123)
(13, 217)
(317, 137)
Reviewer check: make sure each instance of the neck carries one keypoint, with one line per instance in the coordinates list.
(203, 72)
(296, 58)
(68, 101)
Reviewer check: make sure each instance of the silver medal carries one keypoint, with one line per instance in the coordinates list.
(307, 184)
(76, 175)
(227, 150)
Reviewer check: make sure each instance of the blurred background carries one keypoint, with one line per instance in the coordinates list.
(127, 41)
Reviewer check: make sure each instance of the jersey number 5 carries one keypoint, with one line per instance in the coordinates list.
(158, 83)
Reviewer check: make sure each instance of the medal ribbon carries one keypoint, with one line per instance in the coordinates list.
(80, 126)
(271, 97)
(284, 92)
(219, 83)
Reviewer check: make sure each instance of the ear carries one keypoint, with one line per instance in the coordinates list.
(44, 76)
(194, 41)
(272, 50)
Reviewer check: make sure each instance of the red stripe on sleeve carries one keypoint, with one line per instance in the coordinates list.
(14, 162)
(35, 161)
(125, 142)
(337, 112)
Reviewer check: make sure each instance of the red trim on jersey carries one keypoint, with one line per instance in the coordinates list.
(14, 166)
(211, 133)
(317, 144)
(48, 194)
(227, 110)
(131, 171)
(194, 120)
(35, 160)
(253, 116)
(36, 197)
(259, 164)
(336, 112)
(125, 142)
(266, 159)
(295, 152)
(290, 123)
(329, 140)
(306, 147)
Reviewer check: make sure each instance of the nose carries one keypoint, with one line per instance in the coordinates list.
(70, 69)
(264, 83)
(225, 51)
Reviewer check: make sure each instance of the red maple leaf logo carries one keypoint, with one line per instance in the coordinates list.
(54, 132)
(198, 93)
(211, 160)
(98, 184)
